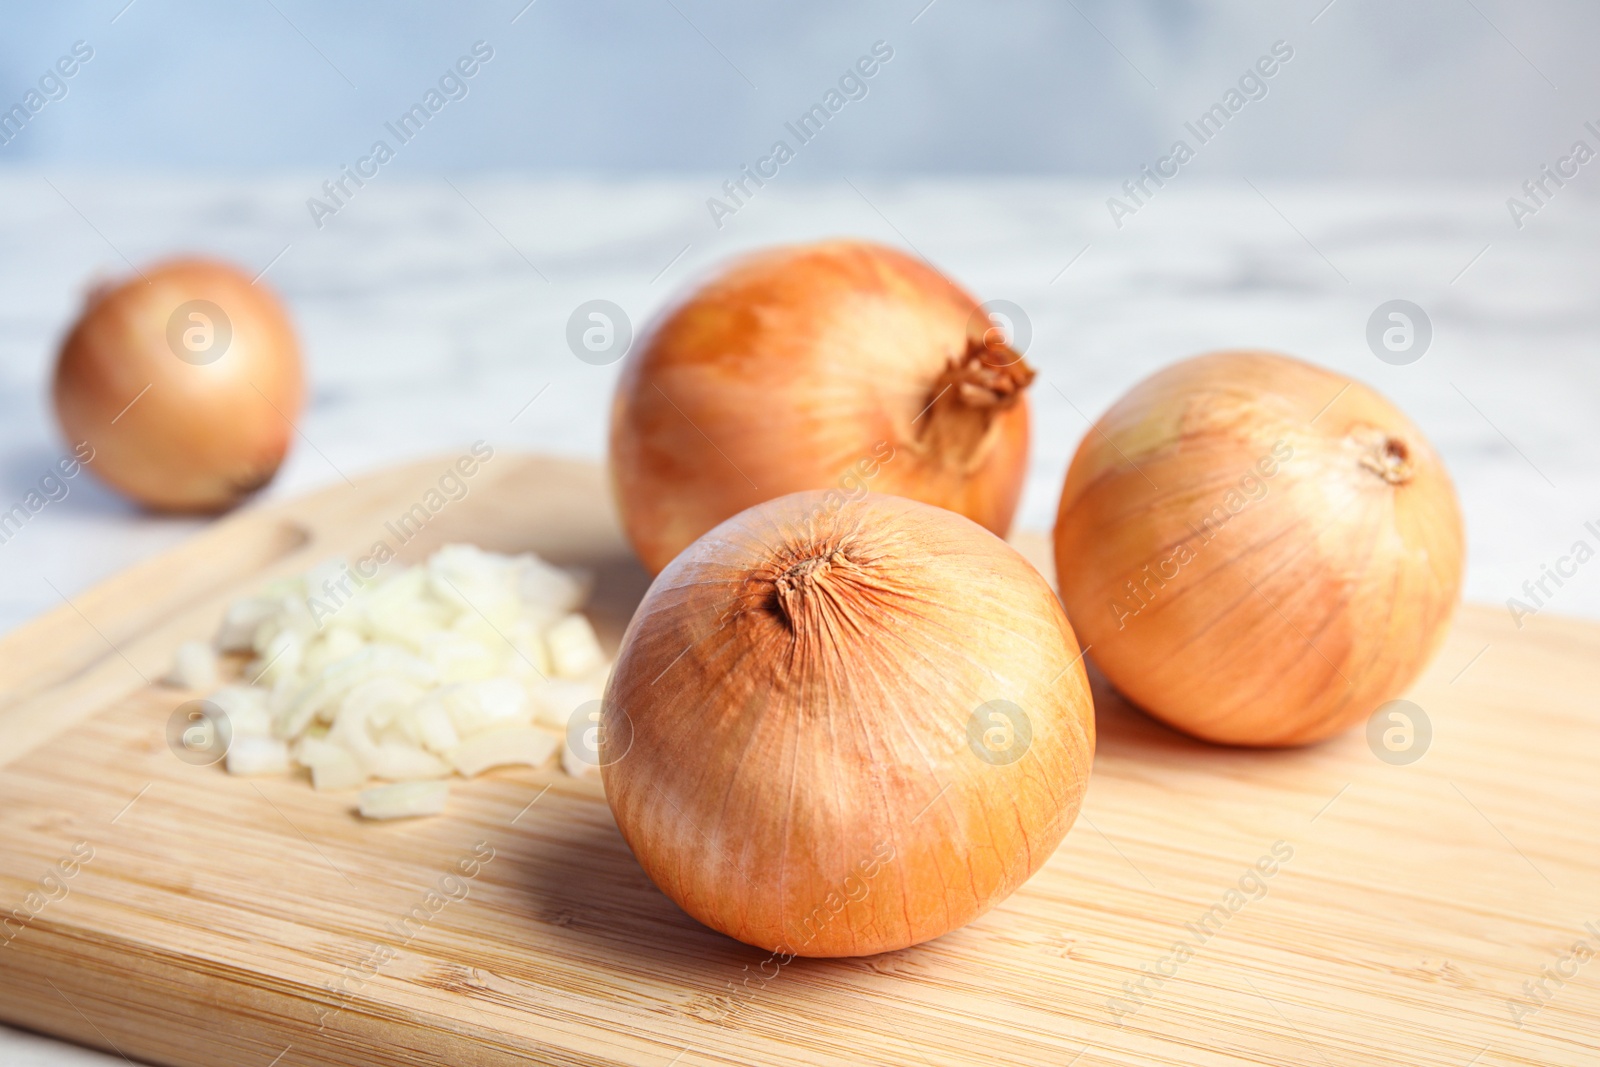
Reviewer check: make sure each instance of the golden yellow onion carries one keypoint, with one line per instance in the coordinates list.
(841, 366)
(836, 729)
(185, 381)
(1258, 551)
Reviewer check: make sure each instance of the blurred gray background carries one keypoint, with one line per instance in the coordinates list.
(1378, 89)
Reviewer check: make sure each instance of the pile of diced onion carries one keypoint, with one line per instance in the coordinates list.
(470, 661)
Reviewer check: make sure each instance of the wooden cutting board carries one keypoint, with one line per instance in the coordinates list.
(1411, 914)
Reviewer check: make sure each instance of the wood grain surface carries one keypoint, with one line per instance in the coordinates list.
(1428, 914)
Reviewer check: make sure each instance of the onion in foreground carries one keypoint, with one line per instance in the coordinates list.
(840, 366)
(841, 729)
(186, 381)
(1260, 552)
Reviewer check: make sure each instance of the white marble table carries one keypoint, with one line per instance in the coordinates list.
(432, 313)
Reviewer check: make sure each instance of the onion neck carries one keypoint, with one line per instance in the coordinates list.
(1384, 454)
(961, 420)
(817, 595)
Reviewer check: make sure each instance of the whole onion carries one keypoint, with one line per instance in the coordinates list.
(185, 381)
(837, 729)
(837, 366)
(1258, 551)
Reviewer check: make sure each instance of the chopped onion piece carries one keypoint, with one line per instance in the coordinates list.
(434, 730)
(574, 648)
(279, 660)
(404, 800)
(255, 756)
(238, 630)
(529, 656)
(557, 700)
(332, 645)
(332, 765)
(194, 666)
(562, 591)
(502, 748)
(381, 699)
(395, 761)
(478, 706)
(246, 709)
(459, 658)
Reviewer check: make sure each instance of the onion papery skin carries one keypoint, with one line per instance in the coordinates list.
(842, 366)
(793, 699)
(1303, 542)
(204, 435)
